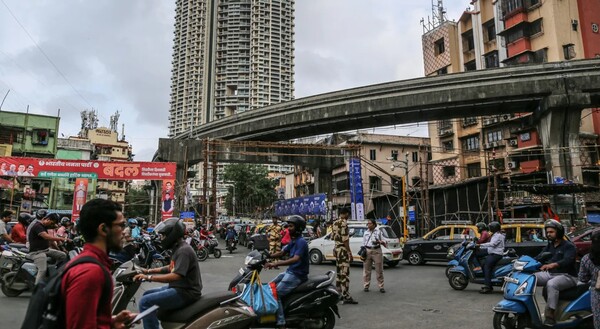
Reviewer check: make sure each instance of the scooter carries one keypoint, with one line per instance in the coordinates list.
(470, 270)
(519, 308)
(313, 304)
(214, 310)
(21, 277)
(149, 255)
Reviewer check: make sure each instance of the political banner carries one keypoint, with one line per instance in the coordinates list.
(58, 168)
(309, 205)
(79, 197)
(357, 205)
(168, 199)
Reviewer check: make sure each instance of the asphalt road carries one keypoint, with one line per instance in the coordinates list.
(417, 297)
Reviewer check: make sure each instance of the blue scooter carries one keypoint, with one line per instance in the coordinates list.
(519, 308)
(470, 270)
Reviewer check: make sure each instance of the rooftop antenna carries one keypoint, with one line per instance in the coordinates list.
(437, 18)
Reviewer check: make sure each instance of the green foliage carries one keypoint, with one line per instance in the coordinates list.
(254, 190)
(137, 203)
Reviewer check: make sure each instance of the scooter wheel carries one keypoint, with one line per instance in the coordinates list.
(6, 290)
(328, 320)
(509, 321)
(217, 253)
(458, 281)
(202, 254)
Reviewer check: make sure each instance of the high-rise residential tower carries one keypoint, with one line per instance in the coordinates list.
(229, 56)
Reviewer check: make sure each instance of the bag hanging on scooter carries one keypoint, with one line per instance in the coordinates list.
(262, 297)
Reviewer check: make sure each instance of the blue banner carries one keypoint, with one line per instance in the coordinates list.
(357, 205)
(304, 206)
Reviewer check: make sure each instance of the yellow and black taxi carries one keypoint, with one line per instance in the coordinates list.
(525, 235)
(434, 245)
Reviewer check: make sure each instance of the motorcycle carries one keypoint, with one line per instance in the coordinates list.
(231, 245)
(149, 255)
(519, 308)
(470, 270)
(204, 246)
(213, 310)
(21, 276)
(313, 304)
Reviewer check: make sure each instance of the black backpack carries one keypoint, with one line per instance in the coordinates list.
(46, 306)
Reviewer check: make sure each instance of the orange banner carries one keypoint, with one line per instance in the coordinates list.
(168, 198)
(79, 196)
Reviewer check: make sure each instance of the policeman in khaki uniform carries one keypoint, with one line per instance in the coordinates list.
(343, 255)
(274, 234)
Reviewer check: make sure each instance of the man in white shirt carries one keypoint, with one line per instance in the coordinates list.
(373, 240)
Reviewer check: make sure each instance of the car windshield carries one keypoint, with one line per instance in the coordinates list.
(388, 232)
(580, 231)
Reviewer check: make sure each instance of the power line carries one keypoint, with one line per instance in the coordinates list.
(45, 55)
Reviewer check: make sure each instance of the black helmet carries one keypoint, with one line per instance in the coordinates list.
(298, 221)
(481, 226)
(40, 214)
(65, 221)
(552, 223)
(25, 218)
(53, 217)
(172, 232)
(494, 227)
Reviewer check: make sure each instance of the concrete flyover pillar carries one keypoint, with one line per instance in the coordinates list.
(559, 126)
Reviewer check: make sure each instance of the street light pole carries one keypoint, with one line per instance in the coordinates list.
(233, 201)
(396, 163)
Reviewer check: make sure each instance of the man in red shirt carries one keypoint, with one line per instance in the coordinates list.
(101, 223)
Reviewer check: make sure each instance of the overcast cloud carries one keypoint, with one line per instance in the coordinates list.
(117, 56)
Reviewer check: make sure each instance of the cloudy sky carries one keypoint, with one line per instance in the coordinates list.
(114, 55)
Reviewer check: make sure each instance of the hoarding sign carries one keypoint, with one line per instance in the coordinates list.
(117, 170)
(305, 206)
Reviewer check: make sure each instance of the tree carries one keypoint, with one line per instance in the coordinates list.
(254, 190)
(137, 203)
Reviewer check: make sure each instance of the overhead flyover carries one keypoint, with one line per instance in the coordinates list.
(527, 88)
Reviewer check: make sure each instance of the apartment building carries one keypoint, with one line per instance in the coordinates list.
(498, 33)
(229, 57)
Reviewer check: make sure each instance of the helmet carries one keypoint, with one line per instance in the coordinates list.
(298, 221)
(560, 230)
(25, 218)
(53, 217)
(481, 226)
(173, 230)
(40, 214)
(65, 221)
(132, 221)
(494, 227)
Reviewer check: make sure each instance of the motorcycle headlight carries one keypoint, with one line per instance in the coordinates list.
(450, 253)
(519, 266)
(521, 288)
(250, 260)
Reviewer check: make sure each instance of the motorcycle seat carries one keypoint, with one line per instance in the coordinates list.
(569, 294)
(205, 303)
(504, 261)
(311, 283)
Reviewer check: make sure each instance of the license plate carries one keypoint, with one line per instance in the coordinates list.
(241, 271)
(511, 280)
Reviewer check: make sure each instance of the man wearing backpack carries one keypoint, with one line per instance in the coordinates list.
(86, 292)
